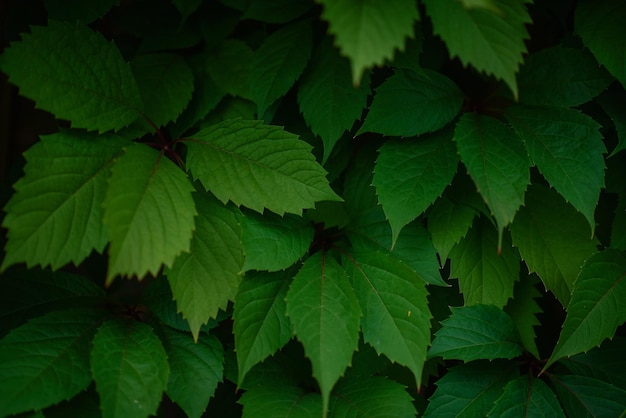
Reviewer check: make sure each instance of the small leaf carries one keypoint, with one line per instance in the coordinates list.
(67, 69)
(413, 102)
(611, 102)
(130, 368)
(187, 7)
(596, 309)
(324, 314)
(149, 211)
(77, 10)
(476, 332)
(258, 166)
(229, 65)
(527, 397)
(280, 401)
(524, 309)
(368, 32)
(448, 223)
(584, 395)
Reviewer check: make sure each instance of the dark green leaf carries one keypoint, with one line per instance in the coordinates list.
(611, 102)
(78, 10)
(187, 7)
(229, 65)
(527, 397)
(585, 396)
(523, 308)
(280, 401)
(448, 223)
(605, 363)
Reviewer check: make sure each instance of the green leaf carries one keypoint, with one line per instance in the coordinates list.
(469, 390)
(278, 63)
(497, 162)
(600, 25)
(476, 332)
(280, 401)
(611, 102)
(229, 65)
(413, 102)
(485, 274)
(396, 319)
(55, 215)
(325, 315)
(490, 41)
(368, 32)
(524, 309)
(77, 10)
(567, 147)
(561, 76)
(328, 101)
(411, 174)
(374, 396)
(67, 69)
(274, 243)
(553, 240)
(195, 370)
(527, 397)
(206, 278)
(130, 368)
(46, 360)
(448, 223)
(251, 164)
(595, 310)
(187, 7)
(605, 363)
(261, 326)
(149, 212)
(585, 396)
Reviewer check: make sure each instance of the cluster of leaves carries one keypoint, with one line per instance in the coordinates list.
(333, 207)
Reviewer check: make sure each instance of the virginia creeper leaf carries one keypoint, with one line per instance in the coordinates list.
(527, 397)
(130, 368)
(567, 147)
(261, 326)
(206, 278)
(586, 396)
(523, 308)
(618, 232)
(229, 65)
(605, 363)
(611, 102)
(280, 401)
(55, 215)
(368, 32)
(70, 71)
(187, 7)
(76, 10)
(553, 240)
(476, 332)
(596, 308)
(448, 223)
(258, 166)
(46, 360)
(325, 314)
(413, 102)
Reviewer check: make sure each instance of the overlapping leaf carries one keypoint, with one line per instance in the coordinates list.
(611, 102)
(448, 223)
(605, 363)
(229, 65)
(523, 308)
(281, 401)
(527, 397)
(586, 396)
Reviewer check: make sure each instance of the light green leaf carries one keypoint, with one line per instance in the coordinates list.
(601, 26)
(561, 76)
(278, 63)
(55, 215)
(586, 396)
(195, 370)
(325, 314)
(527, 397)
(46, 360)
(368, 32)
(149, 212)
(567, 147)
(612, 103)
(596, 309)
(280, 401)
(476, 332)
(206, 278)
(524, 309)
(485, 274)
(258, 166)
(411, 174)
(448, 223)
(274, 243)
(553, 240)
(413, 102)
(261, 326)
(469, 390)
(396, 319)
(68, 69)
(78, 10)
(328, 100)
(229, 65)
(490, 41)
(497, 162)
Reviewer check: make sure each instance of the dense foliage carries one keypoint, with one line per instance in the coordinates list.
(340, 208)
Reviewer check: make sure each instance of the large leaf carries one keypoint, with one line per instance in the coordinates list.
(497, 162)
(258, 166)
(448, 223)
(412, 174)
(523, 308)
(55, 215)
(261, 326)
(490, 40)
(586, 396)
(368, 32)
(130, 368)
(527, 397)
(46, 360)
(325, 315)
(206, 278)
(553, 239)
(596, 308)
(280, 401)
(567, 147)
(149, 212)
(396, 319)
(69, 70)
(476, 332)
(413, 102)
